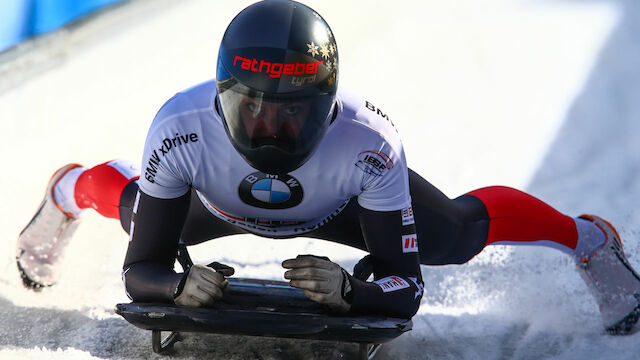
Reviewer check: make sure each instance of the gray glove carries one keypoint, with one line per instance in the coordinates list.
(322, 280)
(202, 287)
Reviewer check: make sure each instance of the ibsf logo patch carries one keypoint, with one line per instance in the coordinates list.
(392, 283)
(374, 162)
(407, 216)
(409, 243)
(268, 191)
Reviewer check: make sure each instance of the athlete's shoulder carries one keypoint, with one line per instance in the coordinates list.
(379, 153)
(358, 111)
(176, 140)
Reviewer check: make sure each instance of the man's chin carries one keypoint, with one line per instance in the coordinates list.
(286, 145)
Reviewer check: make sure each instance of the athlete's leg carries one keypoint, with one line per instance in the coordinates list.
(72, 188)
(519, 218)
(101, 187)
(454, 231)
(449, 231)
(110, 189)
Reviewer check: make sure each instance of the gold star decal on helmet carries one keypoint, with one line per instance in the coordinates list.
(332, 49)
(324, 49)
(313, 49)
(332, 65)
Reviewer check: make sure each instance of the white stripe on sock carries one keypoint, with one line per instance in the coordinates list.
(127, 168)
(64, 192)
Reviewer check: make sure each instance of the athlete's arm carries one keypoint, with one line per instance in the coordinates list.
(148, 267)
(397, 288)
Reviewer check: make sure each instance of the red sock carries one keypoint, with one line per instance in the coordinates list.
(100, 187)
(517, 216)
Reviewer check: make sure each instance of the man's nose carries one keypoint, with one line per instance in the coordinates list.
(269, 120)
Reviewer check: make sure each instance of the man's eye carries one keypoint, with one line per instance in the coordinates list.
(292, 110)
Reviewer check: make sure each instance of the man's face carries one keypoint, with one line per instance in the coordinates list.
(264, 119)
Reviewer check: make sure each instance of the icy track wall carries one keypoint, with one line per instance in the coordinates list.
(22, 19)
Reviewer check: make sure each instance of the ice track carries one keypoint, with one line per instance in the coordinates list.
(536, 94)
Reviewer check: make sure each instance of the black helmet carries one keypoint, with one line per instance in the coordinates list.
(277, 80)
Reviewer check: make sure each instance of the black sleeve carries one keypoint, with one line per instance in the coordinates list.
(148, 273)
(397, 288)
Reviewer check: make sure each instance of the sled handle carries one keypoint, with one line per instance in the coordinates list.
(183, 256)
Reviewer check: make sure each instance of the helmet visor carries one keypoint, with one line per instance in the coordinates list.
(292, 124)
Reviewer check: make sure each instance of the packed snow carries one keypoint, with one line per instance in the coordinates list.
(541, 95)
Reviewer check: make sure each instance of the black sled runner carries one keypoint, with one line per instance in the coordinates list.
(253, 307)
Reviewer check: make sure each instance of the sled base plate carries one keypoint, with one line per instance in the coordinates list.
(256, 307)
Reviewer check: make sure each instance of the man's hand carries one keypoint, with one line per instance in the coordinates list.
(202, 287)
(322, 280)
